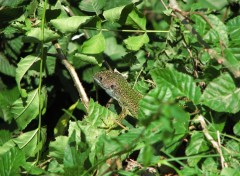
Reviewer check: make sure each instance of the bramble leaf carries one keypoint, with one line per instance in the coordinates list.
(222, 95)
(94, 45)
(178, 83)
(136, 42)
(70, 24)
(26, 109)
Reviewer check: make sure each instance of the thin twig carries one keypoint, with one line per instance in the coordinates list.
(82, 94)
(215, 144)
(219, 144)
(125, 30)
(164, 5)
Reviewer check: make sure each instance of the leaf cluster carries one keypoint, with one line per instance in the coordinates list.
(182, 56)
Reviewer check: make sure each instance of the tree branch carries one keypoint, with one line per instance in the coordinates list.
(82, 94)
(214, 143)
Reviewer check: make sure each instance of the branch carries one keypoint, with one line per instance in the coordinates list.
(214, 143)
(82, 94)
(213, 54)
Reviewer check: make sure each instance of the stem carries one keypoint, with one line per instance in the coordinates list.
(126, 30)
(40, 79)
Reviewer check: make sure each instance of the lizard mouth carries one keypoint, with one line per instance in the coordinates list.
(99, 82)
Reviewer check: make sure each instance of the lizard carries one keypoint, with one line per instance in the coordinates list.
(117, 87)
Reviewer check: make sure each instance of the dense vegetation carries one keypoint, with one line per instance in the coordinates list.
(183, 56)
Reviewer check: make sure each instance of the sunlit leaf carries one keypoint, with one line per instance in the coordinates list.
(92, 5)
(23, 67)
(197, 145)
(94, 45)
(11, 161)
(113, 14)
(27, 142)
(136, 42)
(233, 30)
(229, 171)
(35, 36)
(99, 116)
(113, 49)
(136, 20)
(70, 24)
(222, 95)
(220, 27)
(236, 129)
(86, 58)
(62, 124)
(57, 147)
(179, 83)
(74, 159)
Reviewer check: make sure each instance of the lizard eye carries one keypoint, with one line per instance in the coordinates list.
(100, 78)
(112, 86)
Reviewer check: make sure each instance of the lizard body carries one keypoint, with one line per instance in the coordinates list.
(119, 89)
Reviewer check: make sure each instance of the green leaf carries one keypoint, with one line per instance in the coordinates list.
(171, 35)
(4, 136)
(191, 171)
(136, 42)
(147, 155)
(178, 83)
(57, 148)
(27, 142)
(229, 171)
(85, 58)
(150, 103)
(210, 4)
(210, 166)
(136, 20)
(113, 14)
(94, 45)
(220, 27)
(70, 24)
(35, 36)
(231, 61)
(236, 129)
(7, 97)
(92, 5)
(120, 143)
(63, 121)
(196, 146)
(33, 169)
(6, 68)
(23, 66)
(222, 95)
(99, 116)
(25, 110)
(75, 155)
(142, 87)
(234, 31)
(55, 167)
(11, 161)
(113, 49)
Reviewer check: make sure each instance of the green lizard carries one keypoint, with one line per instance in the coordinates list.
(119, 89)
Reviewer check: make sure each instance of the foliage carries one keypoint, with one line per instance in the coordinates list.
(182, 56)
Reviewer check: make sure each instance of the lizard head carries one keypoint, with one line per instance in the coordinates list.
(113, 83)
